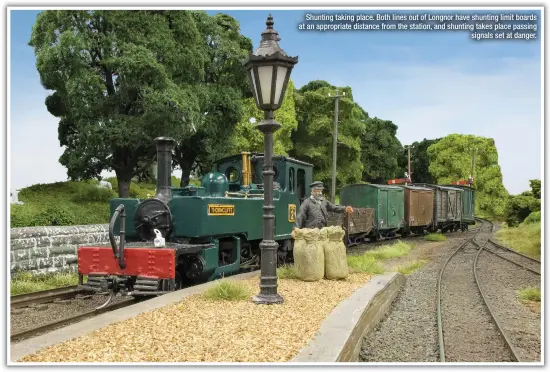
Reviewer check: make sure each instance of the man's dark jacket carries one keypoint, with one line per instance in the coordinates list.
(313, 213)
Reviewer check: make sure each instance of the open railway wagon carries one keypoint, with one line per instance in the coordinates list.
(419, 209)
(468, 205)
(357, 225)
(388, 203)
(447, 207)
(208, 231)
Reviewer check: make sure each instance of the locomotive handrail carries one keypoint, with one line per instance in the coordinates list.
(246, 195)
(118, 252)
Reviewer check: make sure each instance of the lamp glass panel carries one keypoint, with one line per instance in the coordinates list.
(281, 75)
(253, 79)
(266, 75)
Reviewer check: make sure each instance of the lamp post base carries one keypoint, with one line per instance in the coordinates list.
(271, 299)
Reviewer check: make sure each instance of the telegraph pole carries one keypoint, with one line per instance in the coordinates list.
(334, 144)
(473, 164)
(409, 157)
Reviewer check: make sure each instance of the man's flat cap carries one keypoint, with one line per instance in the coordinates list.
(317, 185)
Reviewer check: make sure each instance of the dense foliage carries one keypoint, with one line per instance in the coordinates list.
(420, 161)
(313, 139)
(451, 160)
(246, 136)
(524, 207)
(380, 150)
(119, 79)
(122, 78)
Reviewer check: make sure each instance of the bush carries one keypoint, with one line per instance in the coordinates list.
(92, 193)
(534, 217)
(56, 215)
(139, 192)
(51, 215)
(519, 208)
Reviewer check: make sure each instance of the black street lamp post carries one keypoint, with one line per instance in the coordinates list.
(269, 70)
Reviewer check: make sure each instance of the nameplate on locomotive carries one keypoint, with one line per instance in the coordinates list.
(292, 213)
(221, 210)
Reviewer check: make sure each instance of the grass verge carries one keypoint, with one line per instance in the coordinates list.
(435, 237)
(525, 238)
(369, 261)
(228, 290)
(529, 294)
(411, 267)
(23, 282)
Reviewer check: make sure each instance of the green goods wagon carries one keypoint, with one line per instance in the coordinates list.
(387, 201)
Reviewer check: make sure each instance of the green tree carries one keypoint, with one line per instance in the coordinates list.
(114, 75)
(219, 92)
(315, 85)
(380, 150)
(535, 187)
(451, 160)
(246, 136)
(420, 161)
(313, 137)
(519, 207)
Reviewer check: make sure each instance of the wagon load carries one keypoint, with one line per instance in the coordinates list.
(336, 262)
(309, 255)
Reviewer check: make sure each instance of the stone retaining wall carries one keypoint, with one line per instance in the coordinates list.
(44, 249)
(340, 337)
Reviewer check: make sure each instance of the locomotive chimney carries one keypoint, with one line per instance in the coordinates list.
(164, 167)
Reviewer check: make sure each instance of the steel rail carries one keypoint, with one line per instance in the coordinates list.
(439, 317)
(24, 300)
(49, 326)
(495, 320)
(439, 321)
(507, 259)
(513, 251)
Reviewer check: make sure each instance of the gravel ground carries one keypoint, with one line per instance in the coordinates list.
(200, 330)
(26, 318)
(409, 332)
(501, 280)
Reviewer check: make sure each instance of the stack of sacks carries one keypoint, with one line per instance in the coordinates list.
(309, 255)
(336, 261)
(320, 253)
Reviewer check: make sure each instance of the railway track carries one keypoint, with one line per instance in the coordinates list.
(516, 258)
(44, 328)
(528, 263)
(70, 292)
(50, 295)
(472, 331)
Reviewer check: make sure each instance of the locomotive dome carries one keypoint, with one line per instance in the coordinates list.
(215, 184)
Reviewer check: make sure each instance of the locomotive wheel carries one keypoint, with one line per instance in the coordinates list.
(179, 281)
(164, 284)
